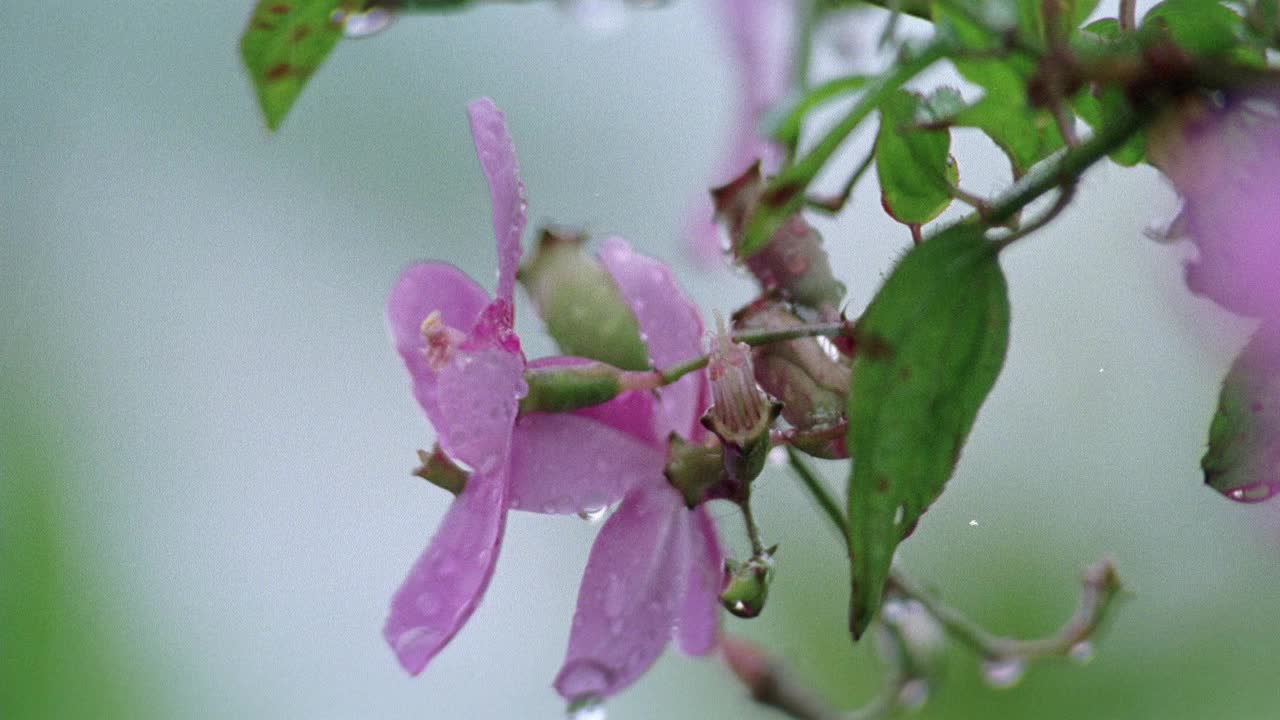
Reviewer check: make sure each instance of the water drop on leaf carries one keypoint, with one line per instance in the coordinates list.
(365, 24)
(1081, 653)
(1003, 674)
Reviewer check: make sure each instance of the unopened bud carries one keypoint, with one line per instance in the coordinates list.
(569, 387)
(748, 585)
(793, 262)
(577, 299)
(811, 381)
(440, 471)
(696, 470)
(741, 413)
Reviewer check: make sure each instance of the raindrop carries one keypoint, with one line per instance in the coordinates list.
(1253, 492)
(778, 456)
(364, 24)
(594, 515)
(973, 523)
(913, 695)
(898, 515)
(588, 709)
(1002, 674)
(739, 607)
(1081, 653)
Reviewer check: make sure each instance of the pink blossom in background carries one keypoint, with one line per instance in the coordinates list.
(1225, 163)
(760, 43)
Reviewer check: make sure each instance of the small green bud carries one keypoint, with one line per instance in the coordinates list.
(695, 469)
(569, 387)
(748, 587)
(440, 471)
(1243, 460)
(577, 299)
(793, 262)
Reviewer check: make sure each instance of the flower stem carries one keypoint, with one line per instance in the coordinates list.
(820, 493)
(648, 380)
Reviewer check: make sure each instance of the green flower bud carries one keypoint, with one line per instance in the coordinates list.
(793, 263)
(569, 387)
(696, 470)
(577, 299)
(748, 585)
(440, 471)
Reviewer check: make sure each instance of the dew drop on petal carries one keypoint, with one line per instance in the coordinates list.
(1081, 653)
(364, 24)
(1002, 674)
(588, 709)
(594, 515)
(778, 456)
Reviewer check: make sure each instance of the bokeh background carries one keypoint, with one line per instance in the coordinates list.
(205, 437)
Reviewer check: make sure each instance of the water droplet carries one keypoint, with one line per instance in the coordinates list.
(594, 515)
(365, 24)
(973, 523)
(1081, 653)
(587, 709)
(778, 456)
(1253, 492)
(913, 695)
(739, 607)
(898, 515)
(1002, 674)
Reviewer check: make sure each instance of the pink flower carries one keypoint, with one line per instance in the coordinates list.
(655, 570)
(1225, 162)
(468, 374)
(760, 39)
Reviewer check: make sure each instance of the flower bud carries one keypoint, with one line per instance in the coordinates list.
(696, 470)
(580, 304)
(569, 387)
(748, 585)
(741, 413)
(440, 471)
(793, 263)
(811, 384)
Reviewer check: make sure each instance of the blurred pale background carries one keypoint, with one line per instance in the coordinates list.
(206, 437)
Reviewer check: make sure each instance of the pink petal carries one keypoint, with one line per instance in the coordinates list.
(506, 192)
(630, 594)
(699, 622)
(633, 413)
(564, 463)
(422, 289)
(478, 393)
(760, 40)
(449, 578)
(669, 324)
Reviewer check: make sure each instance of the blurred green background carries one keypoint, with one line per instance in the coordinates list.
(205, 501)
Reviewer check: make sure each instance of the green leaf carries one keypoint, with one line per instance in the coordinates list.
(785, 126)
(1106, 105)
(1025, 136)
(1201, 27)
(1243, 460)
(914, 164)
(930, 346)
(283, 44)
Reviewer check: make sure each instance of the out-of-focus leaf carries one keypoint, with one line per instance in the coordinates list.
(930, 346)
(786, 124)
(1201, 27)
(914, 164)
(283, 44)
(1105, 105)
(1025, 136)
(1243, 460)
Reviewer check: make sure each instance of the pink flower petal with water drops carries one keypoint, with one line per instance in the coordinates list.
(565, 463)
(669, 325)
(449, 578)
(506, 191)
(630, 594)
(698, 626)
(478, 393)
(422, 289)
